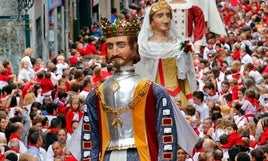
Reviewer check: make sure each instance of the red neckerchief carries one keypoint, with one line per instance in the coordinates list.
(3, 96)
(14, 136)
(196, 131)
(15, 150)
(87, 90)
(37, 68)
(236, 76)
(30, 144)
(210, 48)
(214, 127)
(253, 101)
(199, 150)
(53, 130)
(213, 93)
(221, 93)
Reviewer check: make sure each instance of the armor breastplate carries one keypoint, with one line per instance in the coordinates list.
(118, 93)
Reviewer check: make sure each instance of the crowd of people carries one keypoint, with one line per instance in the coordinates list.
(42, 104)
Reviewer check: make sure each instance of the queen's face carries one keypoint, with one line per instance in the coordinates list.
(161, 20)
(118, 51)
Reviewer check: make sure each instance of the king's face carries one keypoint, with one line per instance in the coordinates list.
(118, 51)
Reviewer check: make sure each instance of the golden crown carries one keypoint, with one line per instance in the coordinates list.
(161, 4)
(120, 27)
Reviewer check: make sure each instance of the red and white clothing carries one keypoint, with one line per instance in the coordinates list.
(240, 120)
(211, 15)
(70, 116)
(4, 79)
(208, 50)
(22, 145)
(189, 21)
(215, 98)
(83, 94)
(250, 109)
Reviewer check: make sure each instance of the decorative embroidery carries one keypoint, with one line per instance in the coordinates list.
(166, 112)
(86, 119)
(167, 130)
(85, 108)
(164, 101)
(87, 145)
(168, 147)
(167, 156)
(86, 136)
(167, 139)
(86, 127)
(167, 121)
(86, 154)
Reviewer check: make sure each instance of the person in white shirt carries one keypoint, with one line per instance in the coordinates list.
(245, 57)
(251, 71)
(212, 95)
(55, 78)
(208, 49)
(27, 56)
(200, 106)
(88, 85)
(26, 73)
(61, 65)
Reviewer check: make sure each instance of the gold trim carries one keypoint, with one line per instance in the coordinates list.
(121, 147)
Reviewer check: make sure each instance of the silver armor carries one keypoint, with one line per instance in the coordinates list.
(118, 92)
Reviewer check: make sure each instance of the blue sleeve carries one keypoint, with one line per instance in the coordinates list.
(90, 141)
(166, 127)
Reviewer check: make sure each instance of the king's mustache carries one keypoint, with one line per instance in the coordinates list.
(116, 56)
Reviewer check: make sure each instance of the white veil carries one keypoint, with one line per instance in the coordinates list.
(154, 50)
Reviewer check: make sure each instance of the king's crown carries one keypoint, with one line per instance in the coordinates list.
(120, 27)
